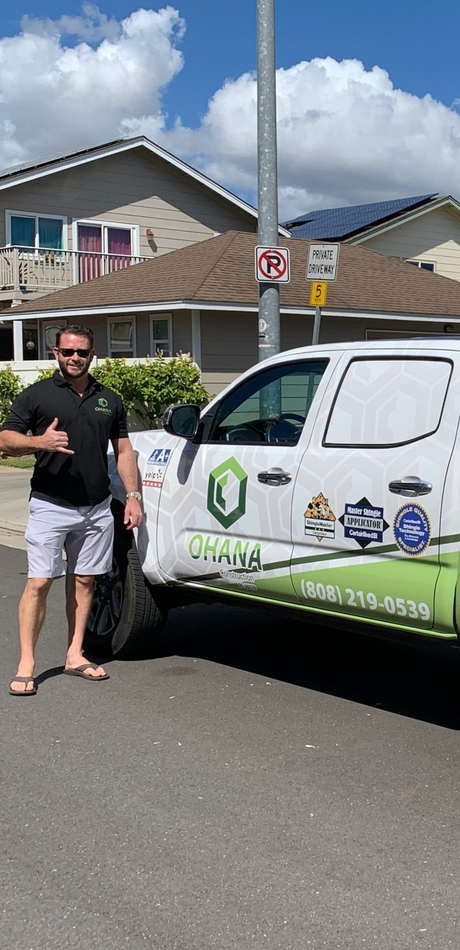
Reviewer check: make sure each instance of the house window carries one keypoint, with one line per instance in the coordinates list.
(35, 231)
(103, 248)
(49, 338)
(161, 335)
(424, 265)
(121, 337)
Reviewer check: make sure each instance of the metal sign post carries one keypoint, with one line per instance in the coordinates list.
(318, 294)
(323, 260)
(269, 301)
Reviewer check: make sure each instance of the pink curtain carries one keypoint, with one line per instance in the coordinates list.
(119, 242)
(92, 262)
(89, 241)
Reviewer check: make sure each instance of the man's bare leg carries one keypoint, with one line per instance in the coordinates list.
(31, 613)
(80, 591)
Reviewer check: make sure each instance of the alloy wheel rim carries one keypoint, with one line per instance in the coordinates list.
(107, 603)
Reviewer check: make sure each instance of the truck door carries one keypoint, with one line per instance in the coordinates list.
(225, 512)
(366, 515)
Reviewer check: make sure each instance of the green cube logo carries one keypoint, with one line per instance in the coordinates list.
(227, 488)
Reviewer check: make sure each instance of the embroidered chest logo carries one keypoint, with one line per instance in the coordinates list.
(103, 406)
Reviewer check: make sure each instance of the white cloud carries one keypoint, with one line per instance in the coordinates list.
(345, 134)
(93, 25)
(56, 97)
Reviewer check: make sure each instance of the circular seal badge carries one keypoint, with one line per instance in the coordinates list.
(411, 529)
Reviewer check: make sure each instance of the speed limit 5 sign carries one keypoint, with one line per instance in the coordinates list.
(272, 264)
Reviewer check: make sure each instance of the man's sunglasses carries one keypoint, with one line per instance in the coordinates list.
(69, 351)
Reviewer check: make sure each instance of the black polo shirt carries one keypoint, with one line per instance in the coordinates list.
(90, 420)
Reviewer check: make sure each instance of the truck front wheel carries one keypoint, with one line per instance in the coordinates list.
(125, 616)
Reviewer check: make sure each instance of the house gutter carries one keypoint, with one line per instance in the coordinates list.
(194, 305)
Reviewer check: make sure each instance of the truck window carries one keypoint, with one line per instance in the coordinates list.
(269, 407)
(388, 401)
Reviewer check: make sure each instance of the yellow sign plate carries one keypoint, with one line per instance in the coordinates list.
(318, 293)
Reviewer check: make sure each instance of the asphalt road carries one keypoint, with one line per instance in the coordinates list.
(256, 785)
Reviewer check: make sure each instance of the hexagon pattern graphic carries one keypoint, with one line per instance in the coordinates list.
(227, 489)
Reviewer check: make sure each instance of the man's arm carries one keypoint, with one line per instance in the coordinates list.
(16, 443)
(127, 470)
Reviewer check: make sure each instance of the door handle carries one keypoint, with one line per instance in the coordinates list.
(274, 477)
(409, 486)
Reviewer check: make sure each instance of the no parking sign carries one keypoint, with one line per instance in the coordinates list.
(272, 264)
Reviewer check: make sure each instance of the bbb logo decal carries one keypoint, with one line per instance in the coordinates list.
(159, 456)
(155, 469)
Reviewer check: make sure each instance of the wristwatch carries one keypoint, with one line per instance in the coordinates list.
(134, 494)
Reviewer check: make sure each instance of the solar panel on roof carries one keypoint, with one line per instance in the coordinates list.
(332, 223)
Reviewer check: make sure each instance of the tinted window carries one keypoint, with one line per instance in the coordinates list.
(269, 407)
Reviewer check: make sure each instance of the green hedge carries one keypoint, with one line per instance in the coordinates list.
(10, 387)
(148, 388)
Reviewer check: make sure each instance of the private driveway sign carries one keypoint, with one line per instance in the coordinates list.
(323, 261)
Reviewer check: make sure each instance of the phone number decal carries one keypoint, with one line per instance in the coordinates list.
(364, 600)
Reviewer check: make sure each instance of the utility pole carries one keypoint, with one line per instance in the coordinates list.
(269, 300)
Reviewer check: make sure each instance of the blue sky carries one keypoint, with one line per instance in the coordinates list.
(367, 90)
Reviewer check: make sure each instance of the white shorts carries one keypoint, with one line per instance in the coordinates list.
(85, 533)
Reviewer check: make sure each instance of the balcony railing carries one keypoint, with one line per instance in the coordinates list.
(42, 270)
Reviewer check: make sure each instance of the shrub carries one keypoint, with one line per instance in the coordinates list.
(10, 387)
(148, 388)
(119, 376)
(46, 373)
(160, 383)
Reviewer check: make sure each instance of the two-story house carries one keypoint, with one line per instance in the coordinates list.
(69, 219)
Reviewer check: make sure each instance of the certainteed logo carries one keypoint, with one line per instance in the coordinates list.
(103, 406)
(227, 488)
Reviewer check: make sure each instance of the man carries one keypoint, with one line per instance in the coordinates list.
(67, 422)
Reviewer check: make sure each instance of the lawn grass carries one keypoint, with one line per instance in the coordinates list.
(23, 461)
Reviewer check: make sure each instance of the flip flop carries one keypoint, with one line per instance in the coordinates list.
(23, 692)
(80, 671)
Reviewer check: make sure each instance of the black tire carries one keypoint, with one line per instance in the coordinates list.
(126, 617)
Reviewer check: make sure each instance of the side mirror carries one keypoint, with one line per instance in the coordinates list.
(182, 421)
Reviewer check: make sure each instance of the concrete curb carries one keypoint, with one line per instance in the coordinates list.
(14, 505)
(12, 528)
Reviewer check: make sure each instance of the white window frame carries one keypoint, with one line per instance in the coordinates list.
(420, 262)
(47, 325)
(128, 319)
(153, 345)
(36, 215)
(103, 224)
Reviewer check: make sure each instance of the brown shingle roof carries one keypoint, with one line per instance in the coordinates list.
(221, 270)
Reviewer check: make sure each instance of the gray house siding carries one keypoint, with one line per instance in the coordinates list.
(228, 341)
(130, 188)
(433, 237)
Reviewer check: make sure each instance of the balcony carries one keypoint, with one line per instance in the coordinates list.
(31, 272)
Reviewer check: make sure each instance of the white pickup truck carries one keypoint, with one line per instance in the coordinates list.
(324, 481)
